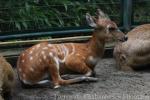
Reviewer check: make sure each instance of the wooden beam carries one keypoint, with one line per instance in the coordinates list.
(56, 40)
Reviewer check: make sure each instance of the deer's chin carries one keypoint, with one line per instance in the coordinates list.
(109, 40)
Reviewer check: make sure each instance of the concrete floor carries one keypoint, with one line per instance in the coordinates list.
(112, 85)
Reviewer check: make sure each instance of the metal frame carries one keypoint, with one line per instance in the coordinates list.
(126, 18)
(40, 34)
(127, 14)
(126, 6)
(126, 24)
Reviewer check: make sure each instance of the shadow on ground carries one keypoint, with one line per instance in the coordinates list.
(112, 85)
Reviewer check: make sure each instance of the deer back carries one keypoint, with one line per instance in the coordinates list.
(141, 32)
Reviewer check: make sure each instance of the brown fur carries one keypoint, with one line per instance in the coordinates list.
(6, 76)
(34, 62)
(135, 51)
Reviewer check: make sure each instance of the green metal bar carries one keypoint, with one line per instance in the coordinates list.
(49, 33)
(39, 34)
(127, 14)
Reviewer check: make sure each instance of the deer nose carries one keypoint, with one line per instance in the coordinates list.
(125, 38)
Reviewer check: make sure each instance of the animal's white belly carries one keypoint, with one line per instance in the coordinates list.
(43, 80)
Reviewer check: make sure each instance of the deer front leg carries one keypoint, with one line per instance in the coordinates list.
(124, 67)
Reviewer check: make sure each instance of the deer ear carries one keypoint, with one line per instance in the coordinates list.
(90, 20)
(101, 14)
(107, 28)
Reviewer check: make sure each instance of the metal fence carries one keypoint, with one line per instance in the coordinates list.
(41, 18)
(135, 12)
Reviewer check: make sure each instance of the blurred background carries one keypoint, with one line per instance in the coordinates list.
(44, 19)
(39, 15)
(27, 22)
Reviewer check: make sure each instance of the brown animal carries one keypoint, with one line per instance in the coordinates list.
(6, 77)
(45, 59)
(135, 52)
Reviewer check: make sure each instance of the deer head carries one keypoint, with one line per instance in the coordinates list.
(104, 27)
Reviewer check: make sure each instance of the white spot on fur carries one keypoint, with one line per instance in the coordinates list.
(50, 54)
(49, 45)
(31, 58)
(43, 53)
(31, 69)
(31, 52)
(38, 46)
(22, 61)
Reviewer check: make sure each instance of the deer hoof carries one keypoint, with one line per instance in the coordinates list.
(91, 79)
(57, 86)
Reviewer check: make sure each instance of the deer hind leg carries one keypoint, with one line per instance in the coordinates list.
(124, 64)
(58, 81)
(78, 65)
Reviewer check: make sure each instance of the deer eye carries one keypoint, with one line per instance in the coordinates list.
(98, 28)
(112, 29)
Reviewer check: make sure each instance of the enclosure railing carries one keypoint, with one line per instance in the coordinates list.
(40, 18)
(32, 19)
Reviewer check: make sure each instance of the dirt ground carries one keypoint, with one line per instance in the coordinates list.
(112, 85)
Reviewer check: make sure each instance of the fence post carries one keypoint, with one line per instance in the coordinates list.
(127, 14)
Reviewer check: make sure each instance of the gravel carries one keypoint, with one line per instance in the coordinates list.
(112, 85)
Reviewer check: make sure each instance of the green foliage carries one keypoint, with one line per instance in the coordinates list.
(141, 10)
(20, 15)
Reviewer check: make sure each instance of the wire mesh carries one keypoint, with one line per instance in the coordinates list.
(35, 15)
(141, 13)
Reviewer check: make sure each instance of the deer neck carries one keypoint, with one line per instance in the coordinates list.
(96, 44)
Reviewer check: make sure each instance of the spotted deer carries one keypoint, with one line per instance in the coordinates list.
(59, 59)
(6, 78)
(135, 52)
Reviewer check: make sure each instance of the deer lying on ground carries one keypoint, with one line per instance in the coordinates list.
(135, 52)
(59, 59)
(6, 77)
